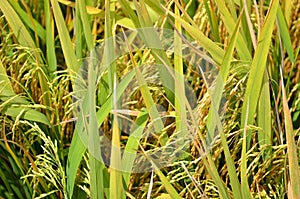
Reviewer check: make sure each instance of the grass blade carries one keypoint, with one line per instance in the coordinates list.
(244, 179)
(76, 151)
(230, 24)
(232, 8)
(79, 48)
(213, 172)
(180, 107)
(66, 44)
(168, 186)
(150, 37)
(165, 181)
(27, 114)
(247, 25)
(133, 144)
(287, 8)
(284, 33)
(294, 173)
(110, 42)
(49, 37)
(258, 67)
(216, 52)
(80, 142)
(116, 186)
(85, 24)
(214, 119)
(35, 26)
(96, 165)
(264, 116)
(153, 112)
(212, 21)
(216, 95)
(18, 28)
(130, 12)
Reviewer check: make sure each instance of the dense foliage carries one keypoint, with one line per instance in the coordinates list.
(202, 103)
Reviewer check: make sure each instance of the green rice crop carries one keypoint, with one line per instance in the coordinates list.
(149, 99)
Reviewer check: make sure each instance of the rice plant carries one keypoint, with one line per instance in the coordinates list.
(149, 99)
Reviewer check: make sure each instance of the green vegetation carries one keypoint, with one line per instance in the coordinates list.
(149, 99)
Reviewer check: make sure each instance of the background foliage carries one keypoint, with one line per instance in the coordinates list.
(255, 46)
